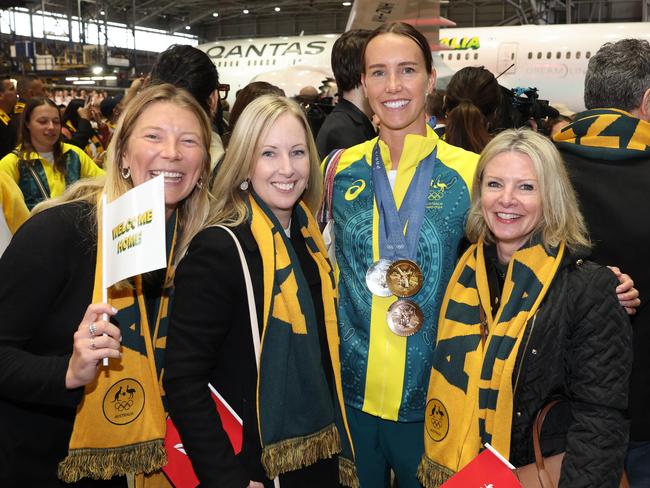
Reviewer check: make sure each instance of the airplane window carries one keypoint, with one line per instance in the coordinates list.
(578, 55)
(568, 54)
(274, 62)
(512, 56)
(558, 55)
(588, 54)
(548, 55)
(458, 57)
(539, 55)
(475, 55)
(466, 56)
(450, 56)
(530, 55)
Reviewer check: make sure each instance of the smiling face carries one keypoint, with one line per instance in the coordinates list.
(281, 171)
(166, 139)
(396, 82)
(510, 201)
(44, 127)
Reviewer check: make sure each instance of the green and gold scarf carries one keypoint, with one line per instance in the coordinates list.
(470, 395)
(300, 419)
(608, 134)
(120, 423)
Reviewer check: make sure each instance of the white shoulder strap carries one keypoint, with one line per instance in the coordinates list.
(250, 295)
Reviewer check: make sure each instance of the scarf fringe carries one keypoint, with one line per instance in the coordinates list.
(293, 454)
(103, 464)
(348, 473)
(432, 474)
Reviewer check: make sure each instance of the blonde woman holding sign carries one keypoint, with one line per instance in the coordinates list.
(53, 401)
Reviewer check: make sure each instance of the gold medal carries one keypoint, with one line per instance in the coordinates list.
(404, 278)
(404, 318)
(376, 278)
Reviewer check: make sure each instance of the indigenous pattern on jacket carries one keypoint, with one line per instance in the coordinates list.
(384, 374)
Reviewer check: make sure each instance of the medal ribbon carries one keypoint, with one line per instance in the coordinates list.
(393, 242)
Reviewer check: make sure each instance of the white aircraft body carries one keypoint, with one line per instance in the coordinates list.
(552, 58)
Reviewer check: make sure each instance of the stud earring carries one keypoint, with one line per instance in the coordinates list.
(199, 183)
(244, 185)
(126, 172)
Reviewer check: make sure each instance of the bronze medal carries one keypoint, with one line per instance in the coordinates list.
(376, 278)
(404, 278)
(404, 318)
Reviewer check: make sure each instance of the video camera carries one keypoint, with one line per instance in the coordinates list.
(522, 106)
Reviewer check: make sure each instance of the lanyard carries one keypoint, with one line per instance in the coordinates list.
(394, 243)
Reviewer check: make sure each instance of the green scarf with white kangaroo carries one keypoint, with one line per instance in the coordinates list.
(301, 419)
(470, 397)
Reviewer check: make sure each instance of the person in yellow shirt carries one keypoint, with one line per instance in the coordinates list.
(14, 211)
(41, 164)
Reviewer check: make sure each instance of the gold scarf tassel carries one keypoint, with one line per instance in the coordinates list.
(292, 454)
(104, 463)
(432, 474)
(348, 473)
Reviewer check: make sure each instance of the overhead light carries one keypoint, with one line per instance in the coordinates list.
(71, 78)
(101, 12)
(245, 11)
(215, 14)
(83, 82)
(347, 4)
(97, 70)
(187, 27)
(277, 9)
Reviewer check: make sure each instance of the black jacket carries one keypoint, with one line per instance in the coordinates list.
(577, 347)
(344, 127)
(615, 202)
(46, 284)
(210, 340)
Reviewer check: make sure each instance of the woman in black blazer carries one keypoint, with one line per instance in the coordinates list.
(294, 425)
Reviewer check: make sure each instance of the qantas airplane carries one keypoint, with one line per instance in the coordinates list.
(552, 58)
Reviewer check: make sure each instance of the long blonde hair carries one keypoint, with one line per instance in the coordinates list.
(193, 211)
(561, 218)
(230, 204)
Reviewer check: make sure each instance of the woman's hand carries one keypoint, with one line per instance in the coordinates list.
(255, 484)
(628, 296)
(94, 340)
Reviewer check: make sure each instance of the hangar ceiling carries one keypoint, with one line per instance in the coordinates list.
(225, 19)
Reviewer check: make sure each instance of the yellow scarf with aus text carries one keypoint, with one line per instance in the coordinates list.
(470, 397)
(120, 424)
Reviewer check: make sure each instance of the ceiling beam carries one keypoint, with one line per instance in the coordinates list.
(155, 13)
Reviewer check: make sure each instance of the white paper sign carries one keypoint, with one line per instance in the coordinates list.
(5, 233)
(134, 232)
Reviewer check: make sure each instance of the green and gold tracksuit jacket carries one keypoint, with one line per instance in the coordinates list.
(383, 374)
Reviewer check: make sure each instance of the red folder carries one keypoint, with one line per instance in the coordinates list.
(484, 471)
(179, 468)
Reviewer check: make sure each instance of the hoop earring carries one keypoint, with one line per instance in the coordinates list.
(199, 183)
(125, 172)
(244, 185)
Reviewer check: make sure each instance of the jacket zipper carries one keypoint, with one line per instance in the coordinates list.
(523, 357)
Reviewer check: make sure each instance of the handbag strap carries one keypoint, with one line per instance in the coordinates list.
(537, 431)
(255, 331)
